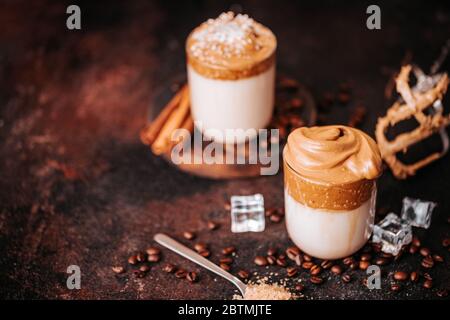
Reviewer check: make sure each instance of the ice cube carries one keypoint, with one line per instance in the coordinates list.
(393, 233)
(417, 212)
(247, 213)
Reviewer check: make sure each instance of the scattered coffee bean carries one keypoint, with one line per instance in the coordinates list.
(144, 268)
(400, 275)
(428, 284)
(307, 265)
(227, 206)
(427, 276)
(140, 257)
(336, 269)
(228, 250)
(381, 261)
(414, 276)
(180, 274)
(326, 264)
(427, 262)
(446, 242)
(307, 257)
(132, 259)
(292, 252)
(188, 235)
(366, 257)
(424, 252)
(226, 260)
(416, 242)
(347, 261)
(315, 270)
(438, 258)
(212, 225)
(442, 293)
(299, 260)
(205, 253)
(118, 269)
(386, 255)
(200, 246)
(270, 212)
(354, 266)
(346, 278)
(363, 265)
(271, 251)
(243, 274)
(225, 266)
(271, 260)
(153, 258)
(275, 218)
(316, 280)
(299, 287)
(260, 261)
(282, 256)
(281, 262)
(169, 268)
(291, 271)
(413, 249)
(192, 277)
(153, 250)
(395, 287)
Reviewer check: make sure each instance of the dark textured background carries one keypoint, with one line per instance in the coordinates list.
(78, 187)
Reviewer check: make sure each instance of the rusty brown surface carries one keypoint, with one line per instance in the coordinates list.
(77, 186)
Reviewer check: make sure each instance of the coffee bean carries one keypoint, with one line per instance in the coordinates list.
(243, 274)
(200, 246)
(144, 268)
(307, 257)
(227, 206)
(395, 287)
(416, 242)
(381, 261)
(442, 293)
(180, 274)
(212, 225)
(299, 260)
(225, 266)
(414, 276)
(299, 287)
(347, 261)
(326, 264)
(205, 253)
(153, 258)
(307, 265)
(336, 269)
(192, 277)
(226, 260)
(291, 271)
(438, 258)
(315, 270)
(346, 278)
(118, 269)
(132, 259)
(271, 260)
(271, 251)
(424, 252)
(354, 266)
(446, 242)
(428, 284)
(427, 262)
(413, 249)
(169, 268)
(228, 250)
(260, 261)
(275, 218)
(363, 265)
(292, 252)
(282, 256)
(281, 262)
(386, 255)
(366, 257)
(153, 250)
(188, 235)
(316, 280)
(427, 276)
(400, 275)
(140, 257)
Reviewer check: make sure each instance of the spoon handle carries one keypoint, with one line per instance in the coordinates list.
(184, 251)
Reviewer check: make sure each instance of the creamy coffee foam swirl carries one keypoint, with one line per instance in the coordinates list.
(333, 154)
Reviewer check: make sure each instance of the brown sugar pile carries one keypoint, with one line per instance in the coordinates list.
(265, 291)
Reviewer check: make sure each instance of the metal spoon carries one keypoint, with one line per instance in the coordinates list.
(184, 251)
